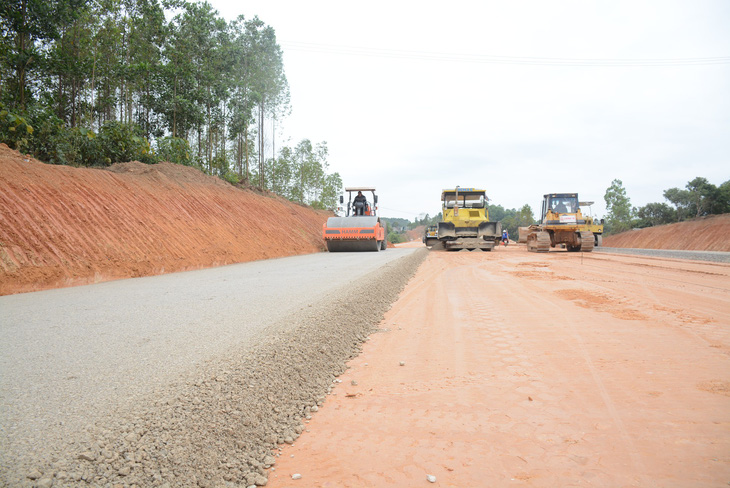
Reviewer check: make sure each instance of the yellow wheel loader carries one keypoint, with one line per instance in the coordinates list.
(465, 222)
(561, 223)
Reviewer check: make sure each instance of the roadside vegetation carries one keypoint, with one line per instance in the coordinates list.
(96, 82)
(698, 198)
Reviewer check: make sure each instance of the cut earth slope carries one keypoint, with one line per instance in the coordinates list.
(64, 226)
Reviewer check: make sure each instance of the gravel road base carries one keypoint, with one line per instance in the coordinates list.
(712, 256)
(223, 428)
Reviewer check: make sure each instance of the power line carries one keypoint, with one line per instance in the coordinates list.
(400, 211)
(492, 59)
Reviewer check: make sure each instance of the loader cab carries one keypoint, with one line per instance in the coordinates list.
(464, 198)
(356, 206)
(466, 205)
(559, 203)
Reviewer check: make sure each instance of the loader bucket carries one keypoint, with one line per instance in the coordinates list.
(446, 230)
(490, 230)
(522, 234)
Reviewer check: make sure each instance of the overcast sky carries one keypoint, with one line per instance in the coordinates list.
(521, 98)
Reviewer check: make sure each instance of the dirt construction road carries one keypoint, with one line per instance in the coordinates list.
(517, 369)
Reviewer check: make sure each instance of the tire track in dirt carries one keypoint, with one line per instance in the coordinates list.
(506, 381)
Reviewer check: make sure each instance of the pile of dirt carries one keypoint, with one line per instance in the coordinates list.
(63, 226)
(416, 234)
(710, 233)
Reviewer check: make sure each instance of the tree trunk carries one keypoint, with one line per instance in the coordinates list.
(210, 141)
(21, 50)
(261, 144)
(239, 154)
(245, 149)
(174, 110)
(200, 142)
(93, 78)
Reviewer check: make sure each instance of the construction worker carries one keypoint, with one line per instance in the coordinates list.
(359, 199)
(505, 237)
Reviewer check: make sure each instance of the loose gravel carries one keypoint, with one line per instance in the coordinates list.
(224, 426)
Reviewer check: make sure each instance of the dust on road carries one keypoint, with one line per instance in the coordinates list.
(511, 368)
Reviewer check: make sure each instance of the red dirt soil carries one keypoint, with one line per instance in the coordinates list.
(704, 234)
(416, 234)
(63, 226)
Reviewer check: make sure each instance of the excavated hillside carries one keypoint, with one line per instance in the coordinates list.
(710, 233)
(63, 226)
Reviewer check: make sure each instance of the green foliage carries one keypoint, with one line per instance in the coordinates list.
(680, 199)
(231, 177)
(136, 71)
(618, 206)
(26, 28)
(654, 214)
(300, 174)
(15, 130)
(516, 218)
(699, 197)
(79, 147)
(394, 229)
(722, 199)
(396, 238)
(398, 225)
(497, 212)
(174, 150)
(426, 221)
(119, 143)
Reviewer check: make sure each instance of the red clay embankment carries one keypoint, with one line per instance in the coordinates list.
(710, 233)
(63, 226)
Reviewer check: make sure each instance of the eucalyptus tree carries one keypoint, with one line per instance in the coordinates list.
(69, 68)
(311, 183)
(268, 84)
(27, 27)
(280, 172)
(212, 73)
(176, 98)
(618, 206)
(243, 97)
(146, 34)
(196, 71)
(331, 189)
(107, 61)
